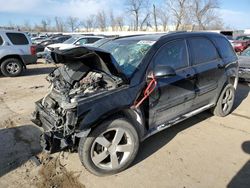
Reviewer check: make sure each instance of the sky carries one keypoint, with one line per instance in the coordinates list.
(235, 14)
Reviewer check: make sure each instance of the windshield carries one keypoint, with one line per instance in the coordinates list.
(128, 53)
(71, 40)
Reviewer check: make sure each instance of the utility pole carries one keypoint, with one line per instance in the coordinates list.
(156, 27)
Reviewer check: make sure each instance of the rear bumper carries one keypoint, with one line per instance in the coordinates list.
(29, 59)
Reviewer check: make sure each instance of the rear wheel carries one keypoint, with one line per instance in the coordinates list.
(225, 102)
(11, 67)
(110, 148)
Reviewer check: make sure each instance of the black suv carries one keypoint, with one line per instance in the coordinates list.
(105, 101)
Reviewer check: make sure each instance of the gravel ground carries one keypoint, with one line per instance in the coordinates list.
(203, 151)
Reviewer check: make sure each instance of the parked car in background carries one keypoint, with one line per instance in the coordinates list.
(244, 65)
(105, 101)
(241, 43)
(16, 51)
(37, 40)
(51, 40)
(75, 40)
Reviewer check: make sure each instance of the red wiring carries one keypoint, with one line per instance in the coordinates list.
(150, 88)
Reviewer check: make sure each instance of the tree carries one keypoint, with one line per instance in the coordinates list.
(89, 23)
(204, 13)
(178, 10)
(45, 24)
(73, 23)
(120, 22)
(135, 7)
(163, 18)
(59, 24)
(101, 20)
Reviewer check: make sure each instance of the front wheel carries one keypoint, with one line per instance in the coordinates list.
(225, 102)
(110, 148)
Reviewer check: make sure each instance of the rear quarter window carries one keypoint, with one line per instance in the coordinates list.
(202, 50)
(17, 38)
(1, 40)
(225, 48)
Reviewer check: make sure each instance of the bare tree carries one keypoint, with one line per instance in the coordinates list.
(59, 24)
(112, 21)
(89, 23)
(135, 7)
(178, 9)
(26, 26)
(204, 12)
(120, 22)
(163, 18)
(73, 23)
(45, 25)
(101, 20)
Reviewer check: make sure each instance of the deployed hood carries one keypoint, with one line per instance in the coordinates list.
(244, 61)
(94, 58)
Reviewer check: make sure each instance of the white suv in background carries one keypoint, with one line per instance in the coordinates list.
(16, 51)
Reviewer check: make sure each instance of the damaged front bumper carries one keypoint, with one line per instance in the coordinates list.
(56, 136)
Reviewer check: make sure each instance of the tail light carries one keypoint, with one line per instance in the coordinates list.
(33, 50)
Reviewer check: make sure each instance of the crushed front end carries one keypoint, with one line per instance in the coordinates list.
(57, 113)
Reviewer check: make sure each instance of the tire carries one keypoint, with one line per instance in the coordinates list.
(225, 102)
(119, 146)
(12, 67)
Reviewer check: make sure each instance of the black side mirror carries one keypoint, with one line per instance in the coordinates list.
(164, 71)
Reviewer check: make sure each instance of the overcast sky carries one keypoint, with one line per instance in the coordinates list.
(235, 14)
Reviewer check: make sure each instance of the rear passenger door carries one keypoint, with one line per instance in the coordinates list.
(209, 68)
(174, 95)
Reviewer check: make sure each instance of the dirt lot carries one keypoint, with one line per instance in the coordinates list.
(204, 151)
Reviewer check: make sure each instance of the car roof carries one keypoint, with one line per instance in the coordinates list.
(158, 36)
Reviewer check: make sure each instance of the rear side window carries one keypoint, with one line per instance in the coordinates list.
(202, 50)
(225, 48)
(1, 40)
(17, 38)
(173, 54)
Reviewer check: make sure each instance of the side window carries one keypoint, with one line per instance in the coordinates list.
(225, 48)
(173, 54)
(202, 50)
(92, 40)
(81, 42)
(1, 41)
(17, 38)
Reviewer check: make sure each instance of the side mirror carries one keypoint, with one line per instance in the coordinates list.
(164, 71)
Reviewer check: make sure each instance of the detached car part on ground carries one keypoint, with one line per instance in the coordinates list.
(103, 102)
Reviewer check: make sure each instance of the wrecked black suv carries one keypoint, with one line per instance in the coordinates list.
(105, 101)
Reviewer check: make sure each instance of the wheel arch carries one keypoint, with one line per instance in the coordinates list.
(134, 116)
(16, 56)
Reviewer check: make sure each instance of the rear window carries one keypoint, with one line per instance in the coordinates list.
(17, 38)
(225, 48)
(1, 40)
(202, 50)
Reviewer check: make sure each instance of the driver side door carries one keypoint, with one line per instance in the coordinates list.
(173, 95)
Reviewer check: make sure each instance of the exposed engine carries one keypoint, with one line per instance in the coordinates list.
(84, 73)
